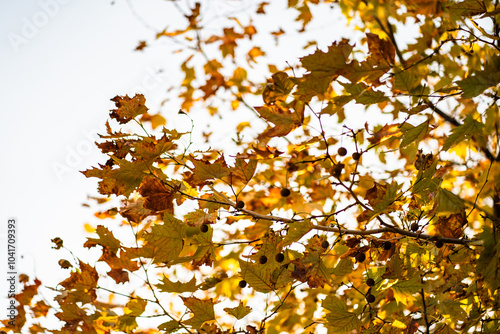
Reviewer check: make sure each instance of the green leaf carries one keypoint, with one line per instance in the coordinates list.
(165, 241)
(170, 326)
(203, 311)
(470, 128)
(406, 80)
(476, 84)
(136, 307)
(452, 309)
(448, 203)
(412, 134)
(468, 8)
(256, 276)
(488, 264)
(343, 267)
(239, 312)
(339, 319)
(296, 231)
(167, 285)
(408, 287)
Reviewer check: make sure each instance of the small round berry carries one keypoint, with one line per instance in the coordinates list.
(242, 283)
(370, 282)
(204, 228)
(262, 259)
(414, 227)
(325, 244)
(370, 298)
(387, 245)
(356, 156)
(240, 205)
(279, 257)
(439, 244)
(342, 151)
(360, 257)
(285, 192)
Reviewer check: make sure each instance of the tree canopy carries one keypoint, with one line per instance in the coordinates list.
(359, 191)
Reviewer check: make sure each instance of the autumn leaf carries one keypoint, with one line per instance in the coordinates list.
(128, 108)
(203, 310)
(239, 312)
(165, 241)
(167, 285)
(339, 318)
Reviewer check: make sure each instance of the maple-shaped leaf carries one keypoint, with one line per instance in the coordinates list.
(118, 275)
(407, 80)
(199, 217)
(150, 148)
(167, 285)
(81, 284)
(135, 211)
(333, 61)
(343, 267)
(467, 8)
(296, 231)
(488, 263)
(283, 118)
(203, 310)
(170, 326)
(279, 89)
(452, 308)
(209, 170)
(158, 196)
(128, 108)
(451, 226)
(405, 288)
(118, 262)
(476, 84)
(413, 134)
(386, 132)
(165, 241)
(106, 239)
(119, 181)
(381, 49)
(239, 312)
(448, 203)
(469, 128)
(311, 269)
(135, 307)
(242, 171)
(339, 318)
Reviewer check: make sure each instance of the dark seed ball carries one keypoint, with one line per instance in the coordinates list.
(262, 259)
(360, 257)
(285, 192)
(356, 155)
(414, 227)
(242, 283)
(370, 282)
(279, 257)
(370, 298)
(325, 244)
(387, 245)
(240, 205)
(342, 151)
(439, 244)
(204, 228)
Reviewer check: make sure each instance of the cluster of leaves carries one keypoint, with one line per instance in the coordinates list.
(389, 228)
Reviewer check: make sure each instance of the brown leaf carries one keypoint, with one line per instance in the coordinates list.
(119, 275)
(386, 132)
(381, 49)
(158, 196)
(128, 108)
(451, 226)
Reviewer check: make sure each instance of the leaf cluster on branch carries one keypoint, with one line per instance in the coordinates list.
(308, 220)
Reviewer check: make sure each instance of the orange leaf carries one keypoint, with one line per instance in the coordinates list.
(128, 108)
